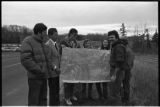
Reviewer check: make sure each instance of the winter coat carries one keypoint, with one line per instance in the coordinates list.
(117, 57)
(121, 56)
(38, 58)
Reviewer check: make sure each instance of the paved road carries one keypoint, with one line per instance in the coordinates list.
(14, 81)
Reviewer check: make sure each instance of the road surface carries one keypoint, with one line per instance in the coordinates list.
(14, 81)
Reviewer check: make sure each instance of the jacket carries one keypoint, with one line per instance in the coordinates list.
(38, 59)
(53, 57)
(118, 55)
(69, 43)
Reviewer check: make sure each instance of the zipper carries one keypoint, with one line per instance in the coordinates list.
(45, 58)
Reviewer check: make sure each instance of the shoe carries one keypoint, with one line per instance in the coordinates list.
(68, 102)
(74, 98)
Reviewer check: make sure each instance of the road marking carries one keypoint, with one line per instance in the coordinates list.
(7, 59)
(11, 65)
(15, 90)
(12, 92)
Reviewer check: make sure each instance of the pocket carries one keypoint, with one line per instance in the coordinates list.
(43, 67)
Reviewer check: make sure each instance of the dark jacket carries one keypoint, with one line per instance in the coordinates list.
(38, 58)
(68, 43)
(118, 55)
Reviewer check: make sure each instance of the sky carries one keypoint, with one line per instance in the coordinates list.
(87, 17)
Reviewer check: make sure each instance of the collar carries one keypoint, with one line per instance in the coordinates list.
(50, 42)
(117, 42)
(37, 38)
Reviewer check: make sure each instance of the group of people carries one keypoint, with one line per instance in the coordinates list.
(42, 61)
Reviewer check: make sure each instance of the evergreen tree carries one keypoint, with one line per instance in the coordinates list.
(148, 41)
(155, 38)
(123, 30)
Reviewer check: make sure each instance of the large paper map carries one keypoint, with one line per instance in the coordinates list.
(85, 65)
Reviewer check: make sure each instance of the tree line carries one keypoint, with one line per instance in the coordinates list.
(142, 43)
(139, 43)
(14, 33)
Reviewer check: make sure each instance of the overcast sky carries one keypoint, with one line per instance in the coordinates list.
(63, 14)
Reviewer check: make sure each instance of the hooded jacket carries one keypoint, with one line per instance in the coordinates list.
(121, 55)
(118, 55)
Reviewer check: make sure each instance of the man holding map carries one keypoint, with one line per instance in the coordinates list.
(121, 62)
(53, 81)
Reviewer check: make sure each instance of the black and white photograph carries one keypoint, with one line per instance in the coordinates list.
(79, 53)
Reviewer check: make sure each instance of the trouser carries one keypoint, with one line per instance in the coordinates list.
(68, 89)
(105, 89)
(90, 89)
(54, 91)
(122, 82)
(126, 86)
(37, 95)
(102, 91)
(84, 88)
(98, 87)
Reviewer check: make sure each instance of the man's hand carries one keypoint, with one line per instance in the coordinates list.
(113, 78)
(58, 71)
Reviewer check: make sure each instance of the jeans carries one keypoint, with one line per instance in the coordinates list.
(126, 86)
(54, 91)
(122, 82)
(37, 95)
